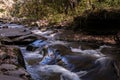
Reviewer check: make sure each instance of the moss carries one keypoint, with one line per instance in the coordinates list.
(2, 10)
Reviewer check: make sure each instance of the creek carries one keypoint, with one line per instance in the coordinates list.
(104, 68)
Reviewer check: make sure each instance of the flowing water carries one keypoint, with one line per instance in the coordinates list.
(33, 58)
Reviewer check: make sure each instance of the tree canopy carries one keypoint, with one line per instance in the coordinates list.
(54, 10)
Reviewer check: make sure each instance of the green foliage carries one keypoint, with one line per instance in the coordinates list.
(108, 4)
(2, 10)
(55, 10)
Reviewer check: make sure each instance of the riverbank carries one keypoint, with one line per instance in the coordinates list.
(12, 65)
(69, 35)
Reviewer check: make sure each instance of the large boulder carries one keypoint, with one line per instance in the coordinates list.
(104, 69)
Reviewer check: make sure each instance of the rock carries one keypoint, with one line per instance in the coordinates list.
(5, 77)
(24, 39)
(3, 55)
(12, 67)
(50, 76)
(8, 67)
(56, 72)
(17, 36)
(21, 72)
(86, 46)
(64, 49)
(117, 38)
(5, 26)
(13, 32)
(19, 58)
(113, 52)
(14, 55)
(104, 70)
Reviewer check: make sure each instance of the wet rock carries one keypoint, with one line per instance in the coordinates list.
(113, 52)
(21, 72)
(58, 72)
(50, 76)
(12, 67)
(13, 32)
(17, 36)
(117, 38)
(5, 26)
(19, 58)
(24, 39)
(3, 55)
(8, 67)
(87, 46)
(104, 70)
(78, 62)
(73, 61)
(5, 77)
(62, 48)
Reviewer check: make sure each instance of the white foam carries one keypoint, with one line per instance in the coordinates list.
(29, 54)
(38, 32)
(58, 69)
(92, 52)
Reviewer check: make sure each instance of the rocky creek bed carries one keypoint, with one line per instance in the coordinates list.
(55, 55)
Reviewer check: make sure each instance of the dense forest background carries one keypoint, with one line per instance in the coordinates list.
(54, 11)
